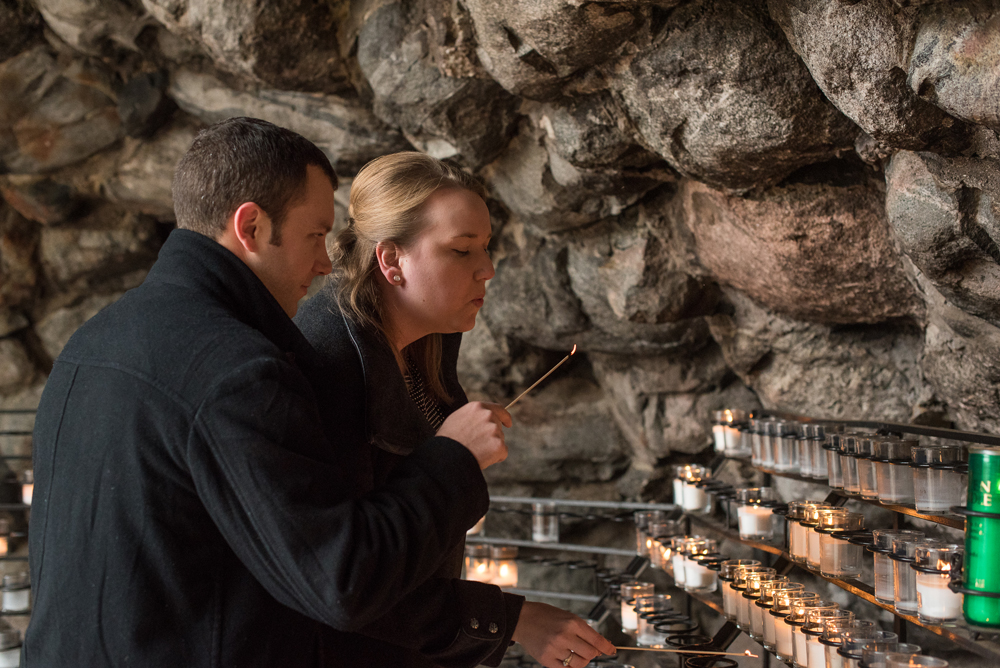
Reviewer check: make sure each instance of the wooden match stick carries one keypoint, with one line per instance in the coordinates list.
(686, 651)
(571, 353)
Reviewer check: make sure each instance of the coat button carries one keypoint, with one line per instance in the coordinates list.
(493, 627)
(474, 623)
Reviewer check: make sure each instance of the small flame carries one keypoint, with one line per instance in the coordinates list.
(573, 352)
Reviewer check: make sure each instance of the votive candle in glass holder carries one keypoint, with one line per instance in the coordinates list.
(768, 591)
(10, 648)
(700, 577)
(477, 563)
(756, 431)
(754, 594)
(727, 574)
(503, 566)
(805, 436)
(784, 604)
(544, 522)
(936, 603)
(27, 479)
(769, 439)
(816, 623)
(630, 591)
(818, 441)
(786, 447)
(811, 522)
(660, 531)
(646, 609)
(904, 550)
(832, 638)
(937, 483)
(855, 638)
(834, 469)
(725, 430)
(867, 482)
(894, 477)
(885, 586)
(797, 619)
(741, 604)
(848, 462)
(642, 519)
(16, 593)
(754, 512)
(693, 498)
(873, 652)
(839, 558)
(798, 535)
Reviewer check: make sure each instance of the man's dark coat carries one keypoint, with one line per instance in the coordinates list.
(189, 507)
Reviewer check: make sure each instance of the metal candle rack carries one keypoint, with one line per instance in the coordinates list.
(19, 508)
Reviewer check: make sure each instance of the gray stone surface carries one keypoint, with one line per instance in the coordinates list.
(347, 131)
(449, 112)
(816, 252)
(956, 60)
(95, 27)
(16, 367)
(292, 45)
(18, 275)
(39, 198)
(20, 27)
(857, 53)
(107, 242)
(720, 94)
(53, 113)
(831, 372)
(532, 46)
(945, 214)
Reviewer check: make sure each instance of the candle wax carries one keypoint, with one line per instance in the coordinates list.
(10, 658)
(630, 621)
(26, 491)
(817, 653)
(783, 635)
(695, 498)
(800, 651)
(814, 552)
(755, 522)
(937, 602)
(678, 563)
(719, 437)
(18, 600)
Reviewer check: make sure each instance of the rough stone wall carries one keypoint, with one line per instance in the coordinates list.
(787, 203)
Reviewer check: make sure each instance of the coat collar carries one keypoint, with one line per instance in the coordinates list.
(199, 263)
(393, 421)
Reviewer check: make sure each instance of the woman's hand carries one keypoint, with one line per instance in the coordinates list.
(479, 427)
(551, 636)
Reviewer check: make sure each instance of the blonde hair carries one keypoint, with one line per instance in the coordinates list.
(387, 205)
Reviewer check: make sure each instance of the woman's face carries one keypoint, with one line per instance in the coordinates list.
(444, 271)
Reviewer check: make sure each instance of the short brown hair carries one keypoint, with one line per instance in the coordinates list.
(243, 160)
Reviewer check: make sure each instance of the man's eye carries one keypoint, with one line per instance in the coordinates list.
(460, 252)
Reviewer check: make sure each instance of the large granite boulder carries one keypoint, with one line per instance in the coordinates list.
(552, 194)
(20, 27)
(809, 251)
(532, 46)
(54, 329)
(445, 108)
(719, 93)
(860, 372)
(857, 53)
(344, 128)
(290, 45)
(945, 214)
(956, 59)
(39, 198)
(16, 367)
(95, 27)
(53, 112)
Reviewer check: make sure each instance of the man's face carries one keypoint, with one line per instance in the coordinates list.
(288, 269)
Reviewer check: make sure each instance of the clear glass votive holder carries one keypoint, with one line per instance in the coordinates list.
(936, 603)
(544, 522)
(867, 482)
(805, 442)
(740, 587)
(503, 566)
(756, 430)
(786, 447)
(848, 451)
(784, 604)
(725, 430)
(477, 563)
(727, 574)
(818, 442)
(851, 650)
(873, 652)
(16, 593)
(797, 619)
(885, 586)
(768, 442)
(642, 520)
(646, 609)
(768, 591)
(816, 623)
(834, 470)
(811, 522)
(938, 483)
(699, 576)
(630, 591)
(832, 638)
(754, 512)
(904, 550)
(839, 558)
(694, 499)
(758, 605)
(10, 648)
(894, 477)
(27, 479)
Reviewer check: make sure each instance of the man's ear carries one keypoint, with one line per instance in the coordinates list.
(251, 227)
(387, 254)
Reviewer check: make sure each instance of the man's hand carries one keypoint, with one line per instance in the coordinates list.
(551, 636)
(479, 427)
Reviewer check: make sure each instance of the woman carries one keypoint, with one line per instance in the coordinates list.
(409, 276)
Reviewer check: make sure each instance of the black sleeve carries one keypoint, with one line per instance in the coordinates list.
(340, 560)
(452, 622)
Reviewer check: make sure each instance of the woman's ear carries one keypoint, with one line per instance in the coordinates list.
(387, 254)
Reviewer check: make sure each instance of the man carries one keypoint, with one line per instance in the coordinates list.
(189, 511)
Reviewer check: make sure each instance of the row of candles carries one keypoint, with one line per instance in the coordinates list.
(892, 470)
(889, 469)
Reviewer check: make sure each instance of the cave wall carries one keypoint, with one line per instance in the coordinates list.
(725, 203)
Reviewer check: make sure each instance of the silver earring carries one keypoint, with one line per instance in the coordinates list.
(397, 278)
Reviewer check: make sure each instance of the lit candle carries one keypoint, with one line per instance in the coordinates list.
(629, 592)
(936, 603)
(27, 486)
(477, 563)
(503, 568)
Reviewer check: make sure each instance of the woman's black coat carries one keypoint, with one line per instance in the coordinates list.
(365, 397)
